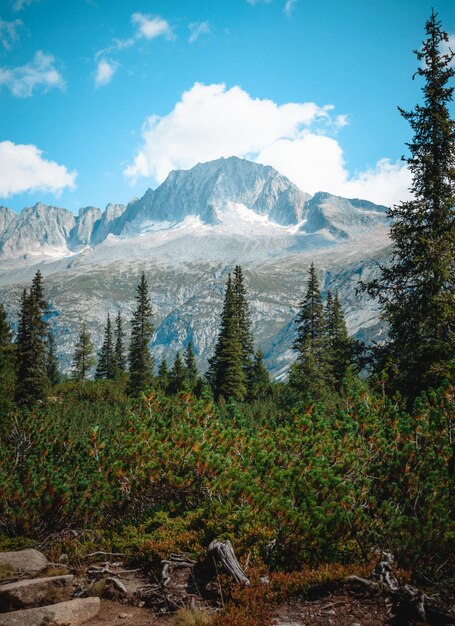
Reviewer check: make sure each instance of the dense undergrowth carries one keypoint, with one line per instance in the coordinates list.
(170, 474)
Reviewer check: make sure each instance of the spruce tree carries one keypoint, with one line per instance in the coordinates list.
(417, 289)
(83, 359)
(226, 373)
(340, 345)
(7, 365)
(312, 370)
(140, 358)
(163, 376)
(119, 349)
(32, 345)
(177, 376)
(52, 365)
(244, 322)
(190, 365)
(260, 378)
(106, 368)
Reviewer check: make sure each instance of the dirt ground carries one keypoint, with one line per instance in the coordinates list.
(115, 614)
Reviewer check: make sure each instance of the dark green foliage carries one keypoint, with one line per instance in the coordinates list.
(191, 369)
(106, 368)
(339, 343)
(226, 372)
(52, 365)
(32, 345)
(417, 289)
(260, 386)
(83, 359)
(163, 375)
(244, 322)
(177, 376)
(7, 364)
(140, 358)
(312, 371)
(119, 349)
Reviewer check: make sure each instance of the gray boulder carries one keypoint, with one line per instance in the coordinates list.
(72, 613)
(25, 594)
(23, 561)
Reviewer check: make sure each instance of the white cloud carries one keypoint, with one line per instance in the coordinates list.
(151, 27)
(18, 5)
(8, 33)
(22, 168)
(211, 121)
(197, 29)
(40, 72)
(289, 6)
(105, 70)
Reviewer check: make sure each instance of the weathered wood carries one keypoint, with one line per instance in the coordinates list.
(223, 553)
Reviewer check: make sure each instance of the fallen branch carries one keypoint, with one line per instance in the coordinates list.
(223, 553)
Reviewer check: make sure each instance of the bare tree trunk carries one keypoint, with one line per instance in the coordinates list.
(223, 553)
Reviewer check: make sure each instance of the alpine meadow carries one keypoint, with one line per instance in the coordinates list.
(229, 401)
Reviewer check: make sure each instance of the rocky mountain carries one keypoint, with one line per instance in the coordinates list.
(187, 235)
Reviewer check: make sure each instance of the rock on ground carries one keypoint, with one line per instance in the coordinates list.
(72, 613)
(24, 561)
(35, 592)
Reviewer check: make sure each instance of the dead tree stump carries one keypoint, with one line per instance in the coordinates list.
(223, 553)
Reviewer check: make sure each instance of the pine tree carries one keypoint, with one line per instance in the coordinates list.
(312, 370)
(417, 289)
(106, 368)
(140, 358)
(226, 373)
(260, 378)
(7, 365)
(119, 349)
(163, 376)
(177, 376)
(190, 365)
(83, 359)
(244, 322)
(52, 366)
(32, 345)
(340, 345)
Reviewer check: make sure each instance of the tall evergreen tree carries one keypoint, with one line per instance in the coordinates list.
(106, 368)
(52, 365)
(190, 365)
(163, 375)
(244, 322)
(177, 376)
(7, 364)
(417, 289)
(260, 378)
(32, 345)
(140, 358)
(83, 359)
(339, 343)
(312, 371)
(226, 372)
(119, 349)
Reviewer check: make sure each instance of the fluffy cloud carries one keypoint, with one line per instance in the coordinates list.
(39, 73)
(8, 33)
(22, 168)
(211, 121)
(105, 70)
(197, 29)
(150, 27)
(289, 6)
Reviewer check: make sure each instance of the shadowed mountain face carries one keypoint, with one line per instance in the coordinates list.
(187, 234)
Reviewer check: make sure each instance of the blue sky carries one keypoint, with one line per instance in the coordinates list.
(99, 99)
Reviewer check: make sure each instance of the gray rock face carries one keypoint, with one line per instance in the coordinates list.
(81, 235)
(6, 217)
(36, 230)
(71, 613)
(23, 561)
(35, 592)
(106, 224)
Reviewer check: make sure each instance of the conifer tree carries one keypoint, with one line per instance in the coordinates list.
(140, 358)
(190, 365)
(83, 359)
(260, 379)
(244, 322)
(32, 345)
(53, 371)
(312, 370)
(340, 345)
(119, 349)
(417, 289)
(226, 372)
(163, 375)
(7, 373)
(106, 368)
(177, 376)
